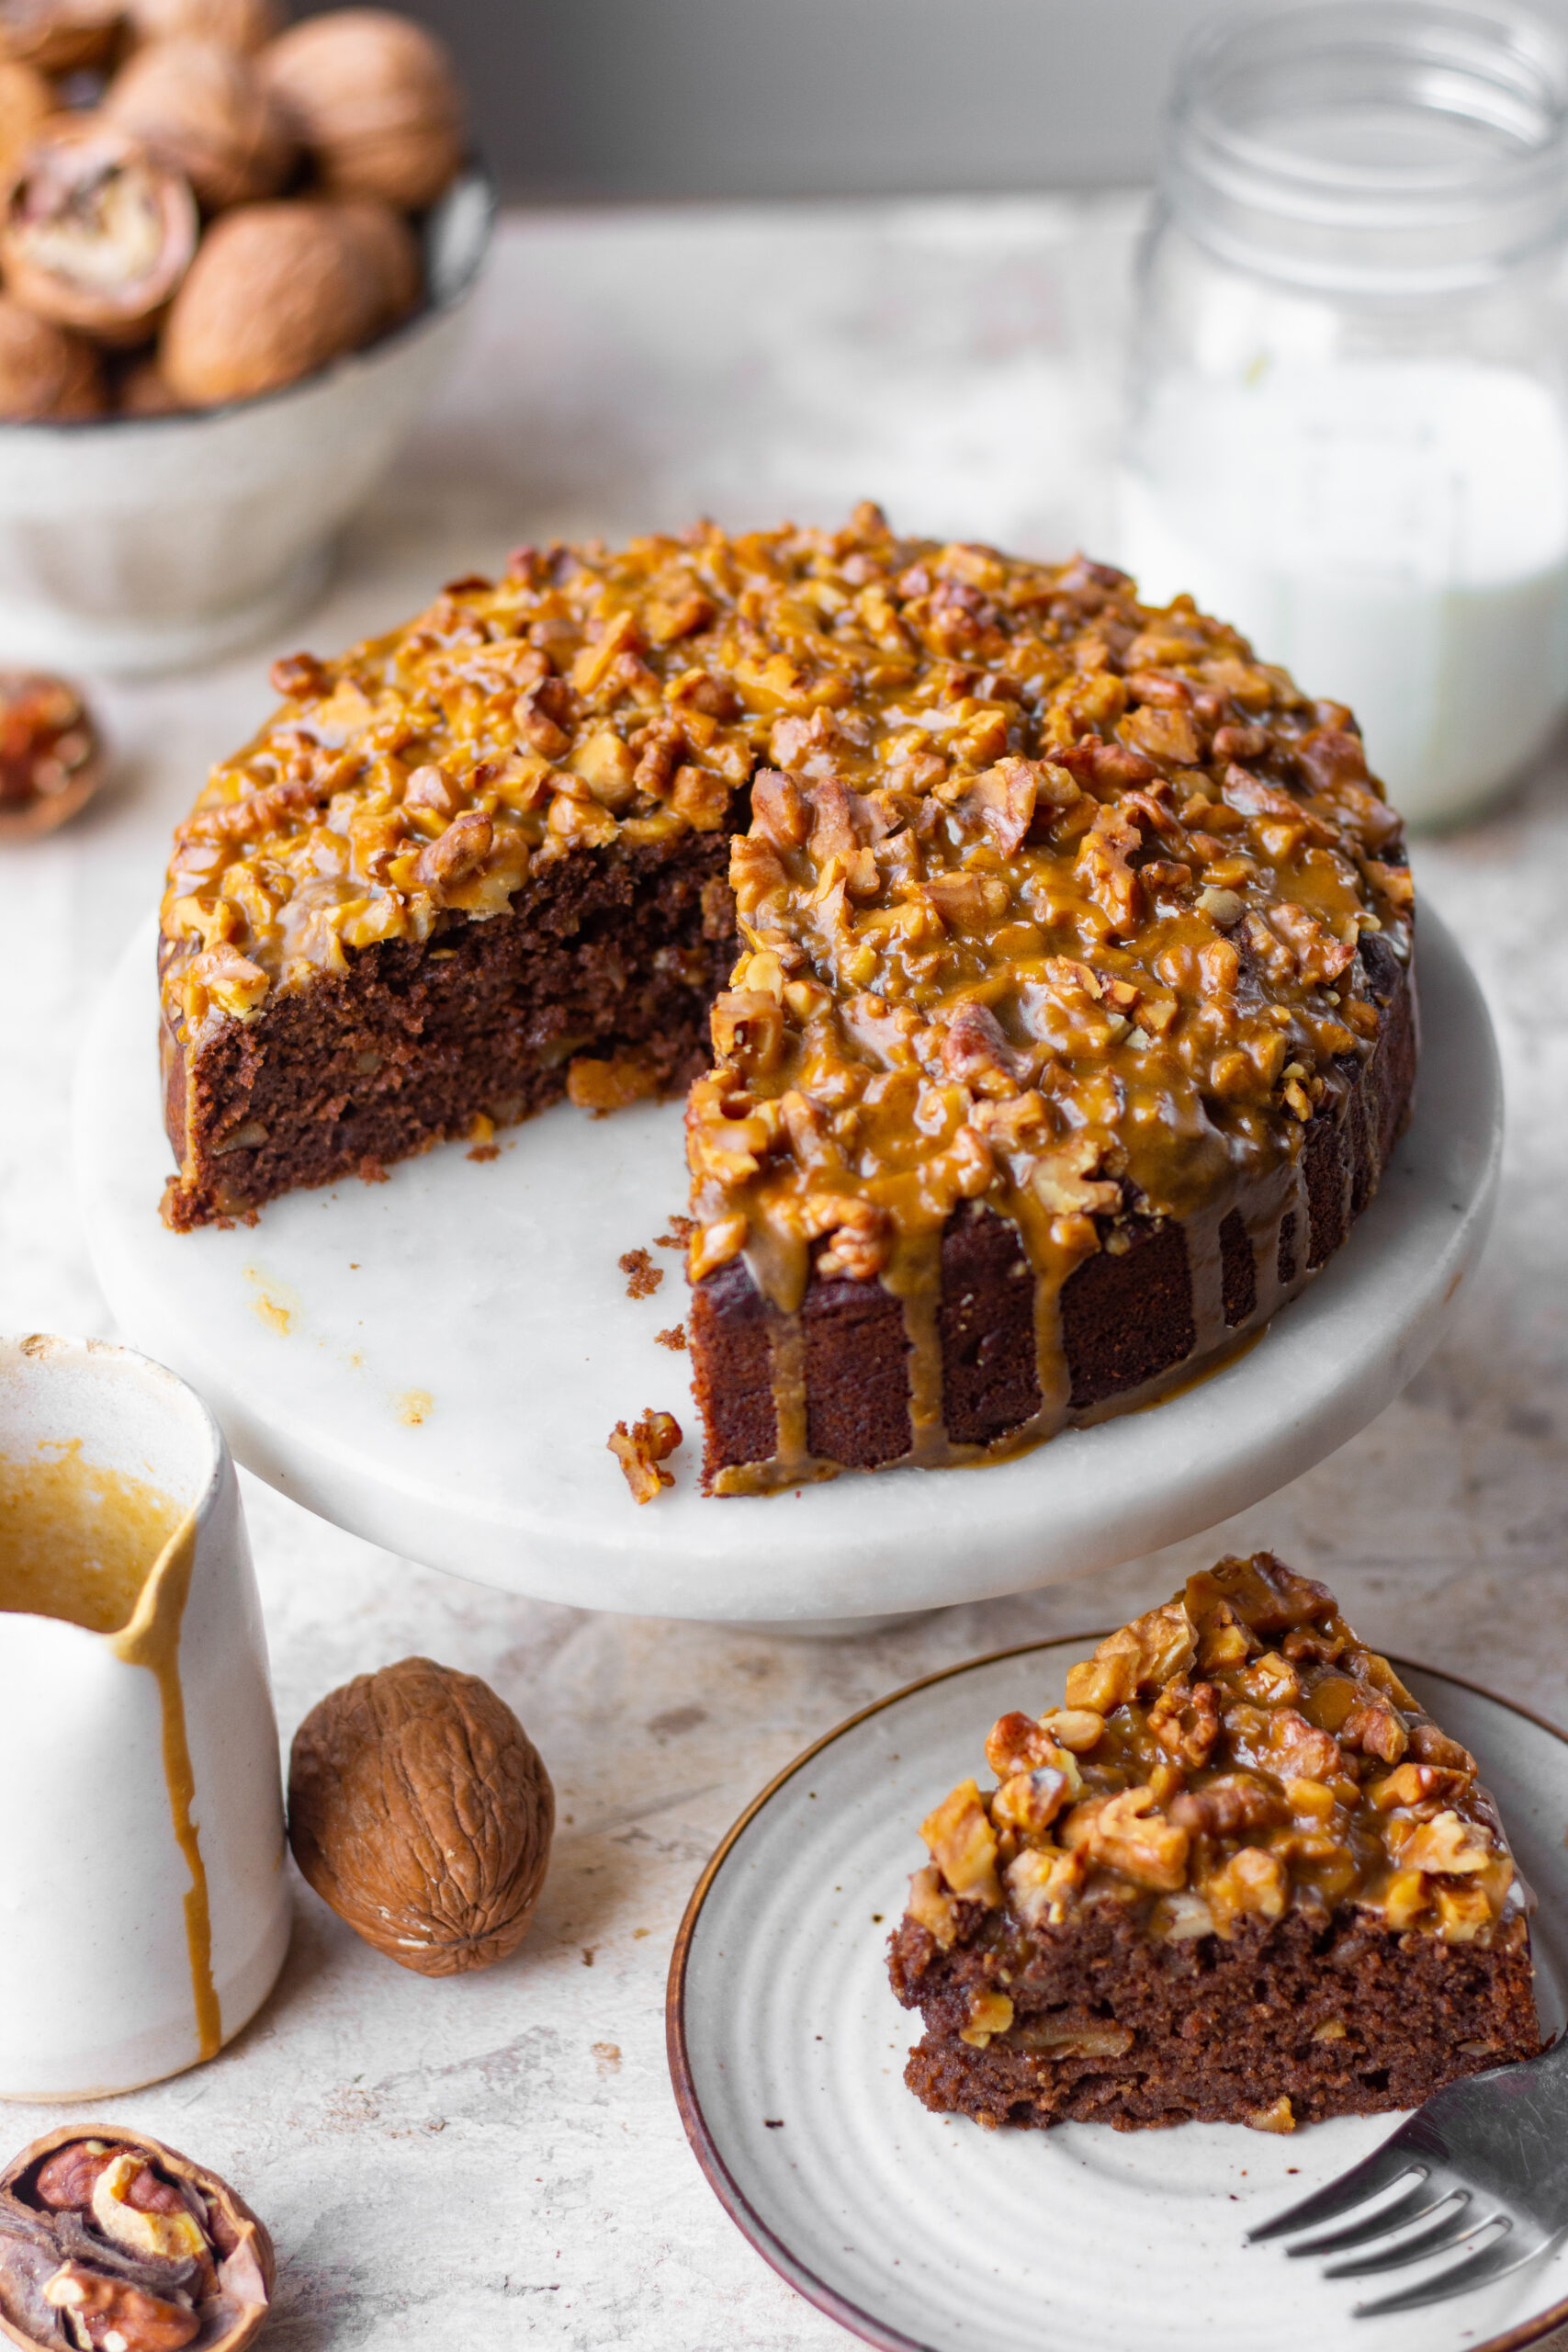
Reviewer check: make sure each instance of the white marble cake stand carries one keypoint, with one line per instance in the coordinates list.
(435, 1362)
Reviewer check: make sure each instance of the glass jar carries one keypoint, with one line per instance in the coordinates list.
(1348, 426)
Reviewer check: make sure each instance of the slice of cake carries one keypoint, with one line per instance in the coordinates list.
(1239, 1876)
(1075, 1020)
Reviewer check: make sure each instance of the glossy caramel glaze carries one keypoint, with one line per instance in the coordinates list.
(1238, 1754)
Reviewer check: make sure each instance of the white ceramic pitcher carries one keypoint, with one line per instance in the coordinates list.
(144, 1909)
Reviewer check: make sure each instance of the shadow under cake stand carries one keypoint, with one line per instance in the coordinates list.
(435, 1362)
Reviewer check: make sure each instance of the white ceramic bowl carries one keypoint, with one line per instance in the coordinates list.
(148, 543)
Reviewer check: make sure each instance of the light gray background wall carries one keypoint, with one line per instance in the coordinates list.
(663, 98)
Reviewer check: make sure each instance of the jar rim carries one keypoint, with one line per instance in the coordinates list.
(1489, 78)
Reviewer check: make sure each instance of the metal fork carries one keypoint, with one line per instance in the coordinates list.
(1485, 2159)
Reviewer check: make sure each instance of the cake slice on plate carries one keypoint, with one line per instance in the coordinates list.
(1240, 1876)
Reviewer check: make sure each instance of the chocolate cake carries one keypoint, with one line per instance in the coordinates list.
(1240, 1876)
(1070, 1022)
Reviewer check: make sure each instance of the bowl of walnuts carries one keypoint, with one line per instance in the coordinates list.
(234, 255)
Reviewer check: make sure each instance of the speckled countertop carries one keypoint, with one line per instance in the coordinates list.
(465, 2163)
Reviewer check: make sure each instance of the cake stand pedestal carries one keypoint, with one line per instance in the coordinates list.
(435, 1362)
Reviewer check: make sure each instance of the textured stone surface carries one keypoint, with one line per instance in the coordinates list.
(460, 2164)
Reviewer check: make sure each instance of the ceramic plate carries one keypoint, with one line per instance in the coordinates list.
(436, 1363)
(924, 2231)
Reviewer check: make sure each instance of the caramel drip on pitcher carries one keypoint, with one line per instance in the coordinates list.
(153, 1639)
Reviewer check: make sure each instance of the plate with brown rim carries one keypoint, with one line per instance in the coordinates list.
(926, 2234)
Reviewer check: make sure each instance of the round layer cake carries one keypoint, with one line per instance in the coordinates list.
(1070, 1021)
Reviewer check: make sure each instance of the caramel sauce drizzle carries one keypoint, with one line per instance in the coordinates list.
(153, 1639)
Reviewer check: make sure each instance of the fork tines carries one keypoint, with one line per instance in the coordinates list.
(1491, 2239)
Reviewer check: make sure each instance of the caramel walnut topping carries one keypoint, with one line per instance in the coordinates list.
(1050, 899)
(1235, 1754)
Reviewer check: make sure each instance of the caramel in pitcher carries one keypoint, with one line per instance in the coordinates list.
(77, 1541)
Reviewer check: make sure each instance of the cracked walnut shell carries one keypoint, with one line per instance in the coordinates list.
(422, 1813)
(96, 234)
(111, 2238)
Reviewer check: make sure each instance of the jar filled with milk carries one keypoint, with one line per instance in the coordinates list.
(1349, 422)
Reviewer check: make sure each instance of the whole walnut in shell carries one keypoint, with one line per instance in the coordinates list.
(95, 233)
(275, 291)
(389, 253)
(239, 24)
(201, 108)
(46, 373)
(420, 1810)
(60, 35)
(375, 100)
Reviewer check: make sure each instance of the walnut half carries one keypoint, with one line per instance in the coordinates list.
(109, 2238)
(420, 1811)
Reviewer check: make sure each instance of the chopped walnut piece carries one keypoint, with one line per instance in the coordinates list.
(1150, 1650)
(1376, 1730)
(964, 1847)
(1031, 1801)
(1252, 1881)
(932, 1908)
(1122, 1833)
(1017, 1743)
(1228, 1806)
(1464, 1912)
(642, 1450)
(1042, 1881)
(990, 2013)
(1185, 1719)
(1277, 2117)
(1430, 1746)
(1446, 1845)
(1078, 1728)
